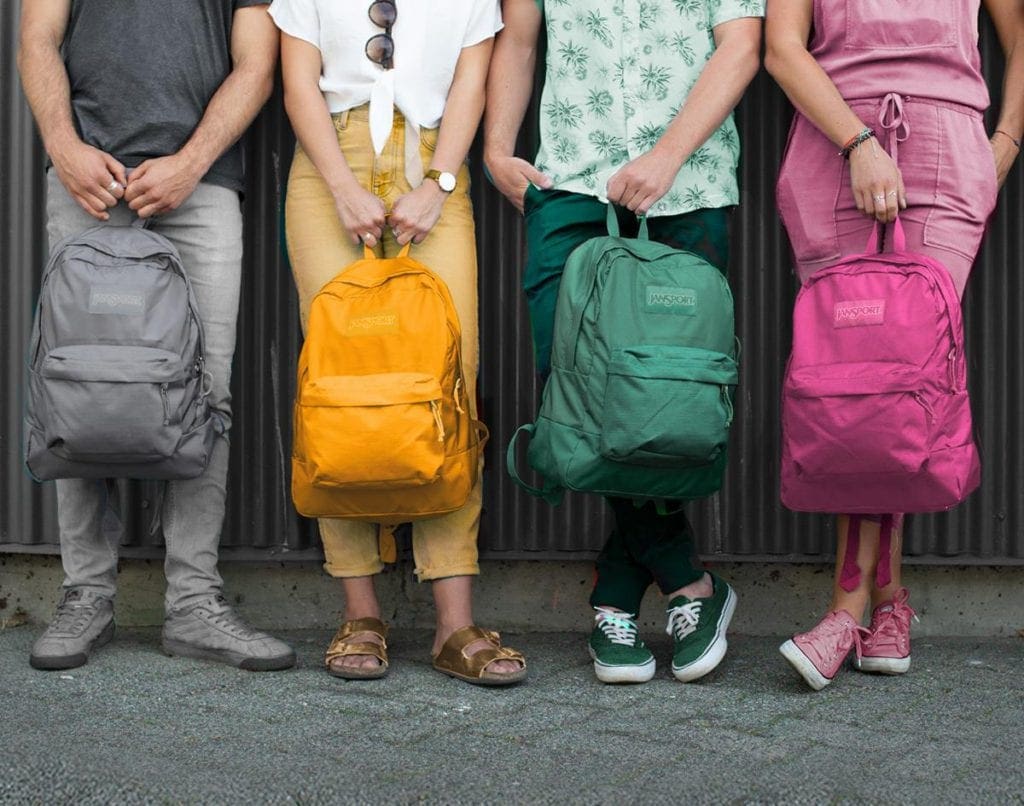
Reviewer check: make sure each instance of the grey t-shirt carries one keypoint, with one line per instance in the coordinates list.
(143, 71)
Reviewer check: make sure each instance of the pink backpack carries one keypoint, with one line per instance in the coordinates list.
(875, 412)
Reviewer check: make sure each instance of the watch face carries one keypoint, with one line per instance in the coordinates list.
(446, 181)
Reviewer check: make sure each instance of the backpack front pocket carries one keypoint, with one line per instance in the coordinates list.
(856, 418)
(667, 406)
(372, 430)
(112, 403)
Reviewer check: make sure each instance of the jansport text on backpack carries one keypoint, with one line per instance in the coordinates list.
(875, 411)
(643, 370)
(382, 428)
(116, 382)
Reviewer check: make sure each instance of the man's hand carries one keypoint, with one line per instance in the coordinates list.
(512, 176)
(415, 214)
(640, 183)
(162, 184)
(90, 176)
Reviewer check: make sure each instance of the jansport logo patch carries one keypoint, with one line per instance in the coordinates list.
(857, 312)
(117, 300)
(374, 324)
(668, 299)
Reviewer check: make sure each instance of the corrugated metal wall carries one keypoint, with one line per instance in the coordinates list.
(745, 520)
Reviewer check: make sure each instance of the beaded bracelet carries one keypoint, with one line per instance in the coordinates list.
(1013, 139)
(866, 134)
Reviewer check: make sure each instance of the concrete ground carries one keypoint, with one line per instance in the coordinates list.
(134, 726)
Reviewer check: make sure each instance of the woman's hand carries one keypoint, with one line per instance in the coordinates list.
(362, 214)
(1004, 152)
(414, 214)
(877, 182)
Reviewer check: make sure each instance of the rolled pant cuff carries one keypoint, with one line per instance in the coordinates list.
(368, 570)
(669, 583)
(626, 604)
(433, 574)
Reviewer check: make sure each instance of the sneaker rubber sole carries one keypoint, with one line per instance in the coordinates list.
(808, 671)
(56, 663)
(635, 673)
(713, 655)
(882, 665)
(181, 649)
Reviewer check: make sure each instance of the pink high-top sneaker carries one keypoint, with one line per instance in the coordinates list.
(819, 653)
(887, 648)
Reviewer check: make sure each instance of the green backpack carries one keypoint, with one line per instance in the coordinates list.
(643, 371)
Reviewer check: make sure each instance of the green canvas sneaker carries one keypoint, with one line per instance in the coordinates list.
(619, 654)
(697, 627)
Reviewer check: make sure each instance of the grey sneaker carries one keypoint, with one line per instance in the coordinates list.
(84, 621)
(211, 630)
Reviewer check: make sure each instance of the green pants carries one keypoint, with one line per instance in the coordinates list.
(644, 546)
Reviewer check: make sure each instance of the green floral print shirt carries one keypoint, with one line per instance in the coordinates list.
(618, 71)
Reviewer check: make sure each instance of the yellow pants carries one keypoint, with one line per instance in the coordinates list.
(319, 248)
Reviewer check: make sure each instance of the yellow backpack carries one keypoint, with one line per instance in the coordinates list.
(382, 428)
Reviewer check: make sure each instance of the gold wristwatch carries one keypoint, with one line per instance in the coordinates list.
(445, 180)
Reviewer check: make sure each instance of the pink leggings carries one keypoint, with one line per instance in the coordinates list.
(948, 171)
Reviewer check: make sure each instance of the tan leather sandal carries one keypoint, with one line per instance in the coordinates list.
(342, 645)
(454, 661)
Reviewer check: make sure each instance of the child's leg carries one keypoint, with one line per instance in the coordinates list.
(854, 601)
(852, 596)
(888, 592)
(620, 582)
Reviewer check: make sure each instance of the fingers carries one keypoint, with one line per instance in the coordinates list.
(891, 204)
(901, 190)
(541, 180)
(92, 206)
(117, 170)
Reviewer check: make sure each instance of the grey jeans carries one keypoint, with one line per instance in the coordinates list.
(207, 231)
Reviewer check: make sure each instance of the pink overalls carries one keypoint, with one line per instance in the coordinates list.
(910, 70)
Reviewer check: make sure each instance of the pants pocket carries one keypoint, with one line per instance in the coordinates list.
(807, 193)
(965, 186)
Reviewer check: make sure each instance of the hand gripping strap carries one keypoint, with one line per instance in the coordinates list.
(549, 492)
(612, 221)
(369, 254)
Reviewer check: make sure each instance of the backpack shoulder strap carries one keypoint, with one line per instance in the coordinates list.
(550, 492)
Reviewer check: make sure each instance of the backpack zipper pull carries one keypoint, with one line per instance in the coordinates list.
(952, 368)
(167, 405)
(924, 405)
(436, 409)
(458, 388)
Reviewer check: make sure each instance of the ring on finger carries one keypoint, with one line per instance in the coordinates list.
(891, 193)
(367, 236)
(879, 198)
(114, 185)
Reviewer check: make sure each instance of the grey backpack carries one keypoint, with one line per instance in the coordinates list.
(116, 382)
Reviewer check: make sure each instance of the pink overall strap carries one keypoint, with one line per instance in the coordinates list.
(849, 575)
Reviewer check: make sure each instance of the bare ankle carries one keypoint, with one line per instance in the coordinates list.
(700, 589)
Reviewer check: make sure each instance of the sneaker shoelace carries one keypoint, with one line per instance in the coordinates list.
(838, 634)
(893, 622)
(618, 626)
(683, 619)
(73, 615)
(72, 618)
(229, 621)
